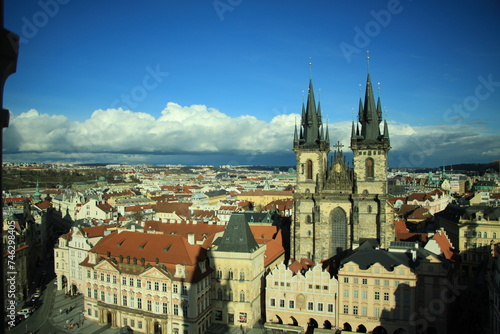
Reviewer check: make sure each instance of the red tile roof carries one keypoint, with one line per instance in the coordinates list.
(167, 248)
(445, 245)
(97, 231)
(201, 231)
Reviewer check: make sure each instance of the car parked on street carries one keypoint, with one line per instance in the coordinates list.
(26, 310)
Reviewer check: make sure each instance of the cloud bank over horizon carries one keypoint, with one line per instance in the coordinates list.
(198, 134)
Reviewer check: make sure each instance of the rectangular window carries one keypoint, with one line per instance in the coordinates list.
(346, 293)
(330, 308)
(355, 294)
(320, 307)
(176, 288)
(376, 312)
(132, 323)
(124, 281)
(139, 324)
(364, 311)
(291, 304)
(386, 282)
(396, 283)
(95, 274)
(386, 295)
(157, 286)
(88, 273)
(114, 279)
(102, 277)
(108, 278)
(184, 290)
(115, 298)
(364, 294)
(148, 285)
(346, 309)
(185, 311)
(377, 295)
(149, 305)
(131, 281)
(355, 310)
(310, 306)
(157, 307)
(377, 282)
(139, 303)
(165, 308)
(272, 302)
(95, 293)
(355, 280)
(102, 296)
(131, 302)
(138, 283)
(282, 303)
(365, 281)
(124, 301)
(164, 287)
(176, 309)
(346, 279)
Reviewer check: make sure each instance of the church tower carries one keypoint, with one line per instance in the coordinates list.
(322, 220)
(337, 205)
(370, 148)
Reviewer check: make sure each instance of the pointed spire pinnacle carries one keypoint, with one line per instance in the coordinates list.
(295, 135)
(379, 110)
(320, 122)
(327, 135)
(360, 111)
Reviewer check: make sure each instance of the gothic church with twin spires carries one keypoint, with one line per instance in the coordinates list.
(337, 205)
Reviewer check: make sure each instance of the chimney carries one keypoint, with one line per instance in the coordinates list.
(191, 238)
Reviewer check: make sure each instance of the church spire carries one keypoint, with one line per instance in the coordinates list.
(311, 120)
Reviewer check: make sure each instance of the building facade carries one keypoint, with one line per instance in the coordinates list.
(153, 283)
(337, 206)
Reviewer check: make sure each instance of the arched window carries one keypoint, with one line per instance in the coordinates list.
(369, 166)
(242, 296)
(242, 275)
(230, 274)
(308, 219)
(219, 273)
(309, 169)
(230, 296)
(219, 294)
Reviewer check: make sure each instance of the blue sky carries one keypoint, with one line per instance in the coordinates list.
(222, 81)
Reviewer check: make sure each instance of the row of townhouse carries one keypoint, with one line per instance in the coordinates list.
(180, 279)
(372, 290)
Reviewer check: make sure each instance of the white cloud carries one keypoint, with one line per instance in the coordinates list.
(125, 136)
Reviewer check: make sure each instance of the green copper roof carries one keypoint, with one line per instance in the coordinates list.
(237, 237)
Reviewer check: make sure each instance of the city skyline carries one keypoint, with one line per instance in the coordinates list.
(222, 82)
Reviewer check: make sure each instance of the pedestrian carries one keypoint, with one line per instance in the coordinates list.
(67, 321)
